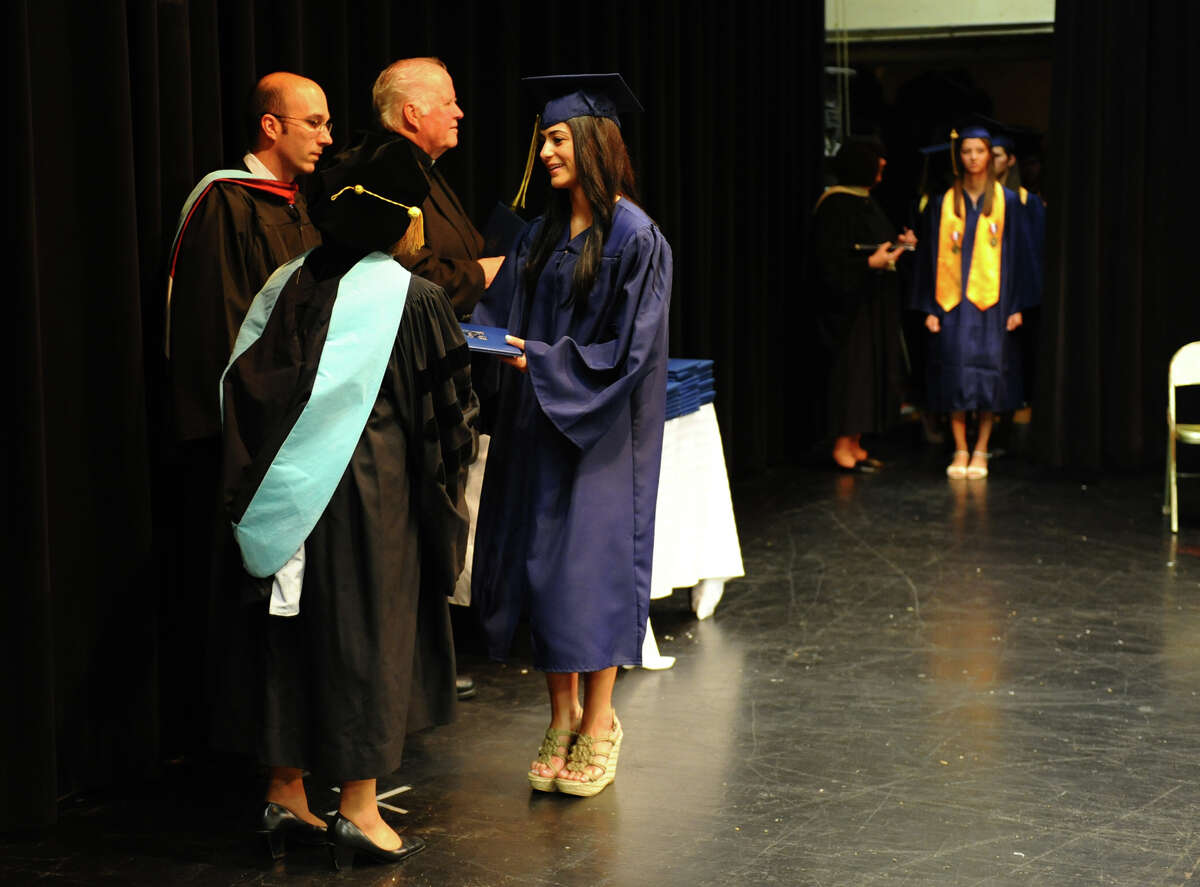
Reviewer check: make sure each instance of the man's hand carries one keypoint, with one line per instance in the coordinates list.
(1014, 321)
(490, 266)
(932, 323)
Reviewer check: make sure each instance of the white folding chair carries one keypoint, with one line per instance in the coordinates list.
(1185, 370)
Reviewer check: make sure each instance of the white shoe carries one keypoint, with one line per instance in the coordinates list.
(974, 472)
(953, 470)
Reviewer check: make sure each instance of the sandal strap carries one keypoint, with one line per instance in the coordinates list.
(584, 753)
(552, 743)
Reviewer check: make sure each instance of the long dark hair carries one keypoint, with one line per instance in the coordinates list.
(602, 164)
(989, 189)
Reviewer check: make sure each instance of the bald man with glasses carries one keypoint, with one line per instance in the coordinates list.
(236, 227)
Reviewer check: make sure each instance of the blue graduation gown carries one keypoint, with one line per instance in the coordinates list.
(566, 518)
(974, 362)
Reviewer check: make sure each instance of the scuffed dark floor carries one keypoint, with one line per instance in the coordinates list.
(919, 681)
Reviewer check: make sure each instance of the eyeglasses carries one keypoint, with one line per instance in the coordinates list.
(314, 125)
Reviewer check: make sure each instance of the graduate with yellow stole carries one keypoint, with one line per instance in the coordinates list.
(973, 280)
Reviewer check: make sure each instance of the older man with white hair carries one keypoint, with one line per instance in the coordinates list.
(415, 98)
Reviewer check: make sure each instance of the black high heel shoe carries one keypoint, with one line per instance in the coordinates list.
(345, 839)
(279, 823)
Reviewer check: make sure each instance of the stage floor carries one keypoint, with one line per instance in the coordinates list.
(919, 681)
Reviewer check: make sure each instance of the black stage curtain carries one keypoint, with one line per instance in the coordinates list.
(1120, 285)
(120, 107)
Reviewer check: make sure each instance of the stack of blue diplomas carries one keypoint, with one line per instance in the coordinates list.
(689, 386)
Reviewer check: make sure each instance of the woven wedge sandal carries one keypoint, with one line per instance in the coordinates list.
(555, 744)
(584, 755)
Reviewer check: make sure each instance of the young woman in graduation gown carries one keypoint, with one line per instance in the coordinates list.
(566, 521)
(860, 302)
(974, 277)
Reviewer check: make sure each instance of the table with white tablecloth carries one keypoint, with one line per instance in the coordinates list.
(695, 535)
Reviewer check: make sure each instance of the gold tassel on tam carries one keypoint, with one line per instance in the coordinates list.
(414, 238)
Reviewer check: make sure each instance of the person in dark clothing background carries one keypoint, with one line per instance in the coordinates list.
(236, 227)
(345, 445)
(415, 98)
(856, 250)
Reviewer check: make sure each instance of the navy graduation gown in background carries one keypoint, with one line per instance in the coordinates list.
(566, 519)
(975, 362)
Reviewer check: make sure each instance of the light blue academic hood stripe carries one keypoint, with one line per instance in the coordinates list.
(199, 189)
(311, 461)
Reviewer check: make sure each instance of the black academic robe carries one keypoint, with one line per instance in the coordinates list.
(235, 237)
(859, 315)
(452, 244)
(370, 656)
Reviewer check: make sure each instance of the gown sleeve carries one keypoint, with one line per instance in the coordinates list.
(842, 271)
(924, 285)
(582, 388)
(437, 383)
(1033, 229)
(211, 292)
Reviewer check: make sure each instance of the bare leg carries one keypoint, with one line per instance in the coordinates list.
(565, 714)
(979, 457)
(843, 451)
(958, 427)
(285, 787)
(597, 716)
(985, 431)
(358, 804)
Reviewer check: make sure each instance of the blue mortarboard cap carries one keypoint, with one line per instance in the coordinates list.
(973, 131)
(581, 95)
(935, 149)
(1003, 140)
(979, 126)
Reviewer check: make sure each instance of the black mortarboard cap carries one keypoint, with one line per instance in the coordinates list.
(371, 195)
(563, 96)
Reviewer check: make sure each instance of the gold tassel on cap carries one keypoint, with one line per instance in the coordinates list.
(414, 238)
(519, 200)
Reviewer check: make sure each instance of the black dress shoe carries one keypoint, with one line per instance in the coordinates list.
(279, 823)
(465, 686)
(346, 839)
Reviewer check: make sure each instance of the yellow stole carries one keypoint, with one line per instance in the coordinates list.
(983, 277)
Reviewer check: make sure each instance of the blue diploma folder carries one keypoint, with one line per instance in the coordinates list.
(488, 339)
